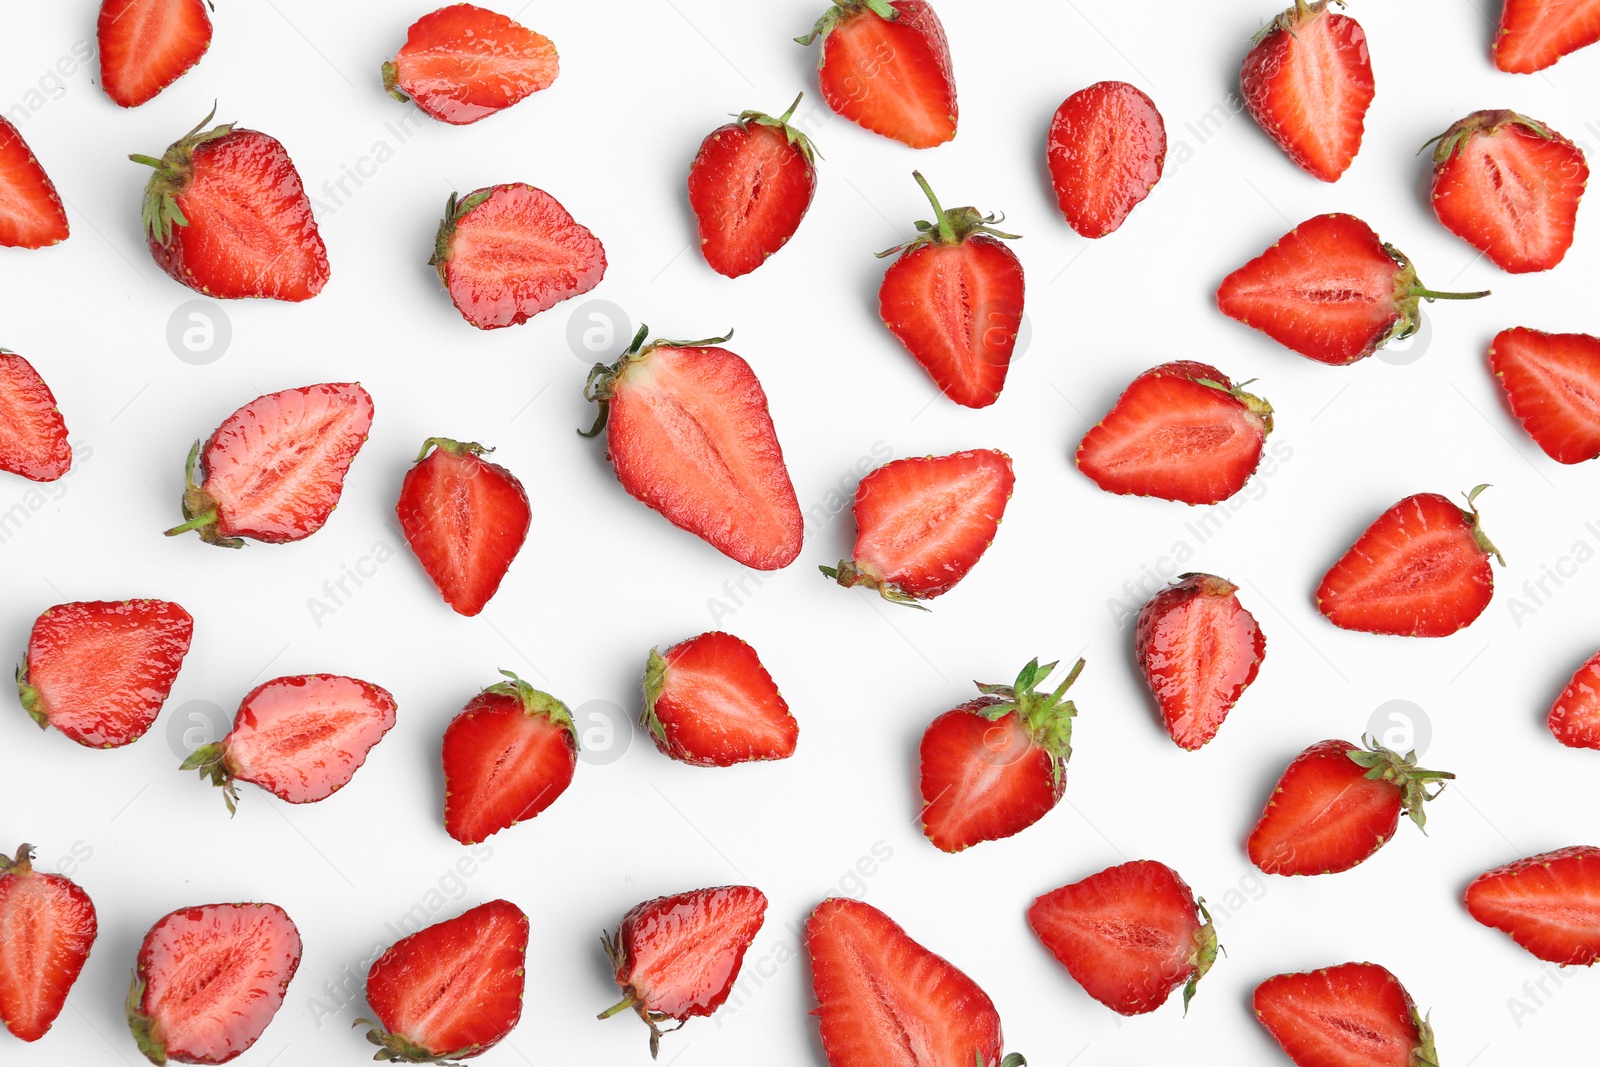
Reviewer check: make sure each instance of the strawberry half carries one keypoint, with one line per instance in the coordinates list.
(226, 214)
(1129, 935)
(275, 469)
(47, 927)
(708, 701)
(750, 185)
(885, 65)
(676, 958)
(99, 672)
(507, 252)
(1198, 648)
(33, 436)
(465, 518)
(452, 990)
(1180, 431)
(1307, 81)
(507, 756)
(1509, 187)
(1336, 805)
(884, 999)
(209, 979)
(688, 433)
(146, 45)
(1106, 149)
(1533, 34)
(1330, 290)
(1420, 570)
(300, 738)
(954, 299)
(923, 523)
(462, 63)
(1552, 382)
(31, 215)
(1549, 904)
(1575, 716)
(998, 764)
(1352, 1015)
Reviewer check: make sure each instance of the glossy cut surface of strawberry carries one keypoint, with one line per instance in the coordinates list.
(1549, 904)
(507, 756)
(1106, 150)
(33, 435)
(463, 63)
(708, 701)
(885, 65)
(1352, 1015)
(146, 45)
(1552, 382)
(1533, 34)
(1198, 649)
(31, 215)
(47, 928)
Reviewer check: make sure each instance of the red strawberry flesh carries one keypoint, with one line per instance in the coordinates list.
(1552, 382)
(507, 756)
(1106, 149)
(710, 702)
(33, 436)
(1353, 1015)
(47, 927)
(146, 45)
(885, 65)
(1533, 34)
(463, 63)
(1549, 904)
(750, 185)
(31, 215)
(1198, 648)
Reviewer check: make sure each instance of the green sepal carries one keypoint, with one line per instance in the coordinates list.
(21, 865)
(949, 226)
(30, 697)
(1204, 954)
(397, 1048)
(1409, 292)
(1455, 139)
(1386, 765)
(850, 574)
(1291, 20)
(601, 385)
(1423, 1055)
(211, 761)
(1253, 403)
(451, 447)
(655, 680)
(159, 212)
(199, 509)
(391, 81)
(1047, 716)
(536, 702)
(836, 14)
(791, 134)
(142, 1025)
(455, 209)
(1475, 521)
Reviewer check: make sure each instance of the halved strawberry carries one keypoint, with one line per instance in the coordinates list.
(1533, 34)
(507, 756)
(226, 214)
(47, 927)
(1336, 805)
(1198, 648)
(452, 990)
(465, 518)
(31, 215)
(1352, 1015)
(923, 523)
(462, 63)
(954, 299)
(884, 999)
(688, 433)
(1420, 570)
(301, 738)
(998, 764)
(99, 672)
(33, 436)
(209, 979)
(507, 252)
(1509, 187)
(275, 469)
(749, 186)
(676, 958)
(146, 45)
(1180, 431)
(1330, 290)
(885, 65)
(709, 701)
(1575, 716)
(1552, 382)
(1129, 935)
(1549, 904)
(1307, 81)
(1106, 149)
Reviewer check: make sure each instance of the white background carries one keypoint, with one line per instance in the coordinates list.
(602, 578)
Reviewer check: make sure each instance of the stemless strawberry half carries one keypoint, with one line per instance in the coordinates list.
(1330, 290)
(1549, 904)
(1198, 649)
(226, 214)
(1180, 431)
(676, 958)
(31, 215)
(1106, 149)
(462, 63)
(507, 756)
(47, 928)
(1129, 935)
(275, 469)
(1533, 34)
(709, 702)
(301, 738)
(100, 671)
(146, 45)
(33, 435)
(688, 434)
(452, 990)
(1353, 1015)
(1574, 718)
(1552, 382)
(885, 65)
(507, 252)
(209, 979)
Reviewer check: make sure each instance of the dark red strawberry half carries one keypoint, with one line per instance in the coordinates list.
(146, 45)
(1198, 649)
(47, 927)
(1549, 904)
(1106, 149)
(462, 63)
(1552, 382)
(1575, 716)
(507, 756)
(1353, 1015)
(709, 701)
(33, 436)
(31, 215)
(1533, 34)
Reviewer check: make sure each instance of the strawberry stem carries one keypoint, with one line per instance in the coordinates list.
(1429, 294)
(620, 1006)
(850, 574)
(1386, 765)
(208, 518)
(947, 233)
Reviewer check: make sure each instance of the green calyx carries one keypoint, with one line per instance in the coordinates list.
(949, 227)
(397, 1048)
(199, 509)
(841, 11)
(455, 209)
(1385, 765)
(1046, 716)
(1291, 20)
(1408, 292)
(604, 377)
(1423, 1055)
(1454, 140)
(655, 680)
(792, 135)
(535, 702)
(1204, 954)
(1013, 1059)
(850, 574)
(211, 761)
(31, 702)
(617, 954)
(142, 1025)
(1252, 402)
(452, 448)
(173, 171)
(1475, 521)
(391, 81)
(21, 866)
